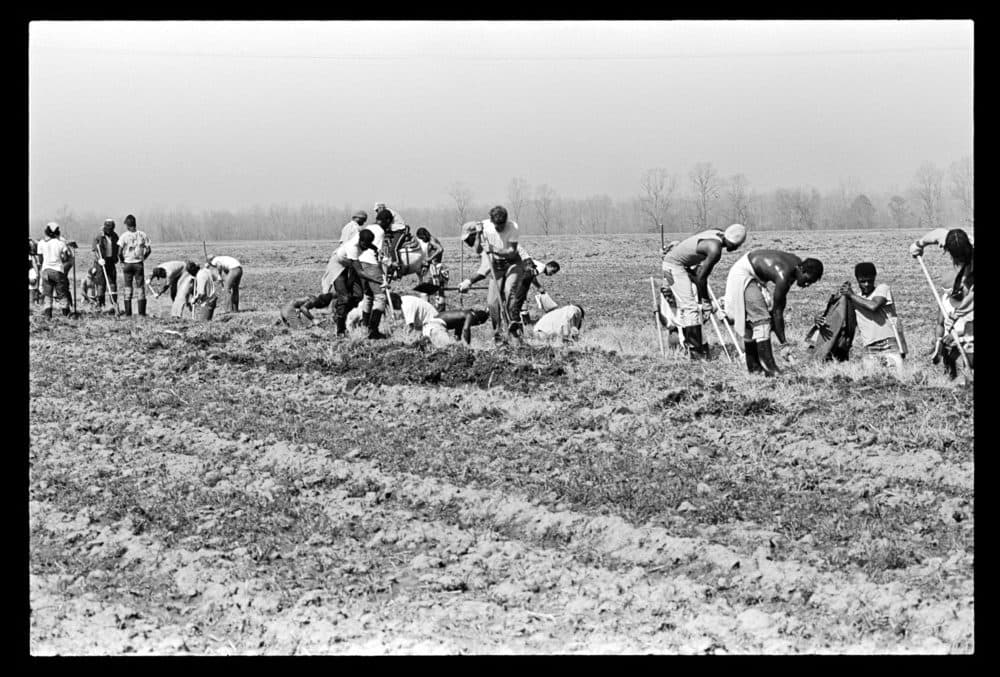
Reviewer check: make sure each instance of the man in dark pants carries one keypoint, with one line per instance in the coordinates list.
(133, 250)
(105, 257)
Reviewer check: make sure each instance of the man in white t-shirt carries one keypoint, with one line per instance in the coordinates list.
(496, 241)
(421, 316)
(55, 254)
(232, 272)
(875, 316)
(133, 249)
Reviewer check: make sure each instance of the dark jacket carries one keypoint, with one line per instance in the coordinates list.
(835, 338)
(101, 247)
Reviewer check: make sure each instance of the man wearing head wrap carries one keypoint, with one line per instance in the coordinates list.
(686, 267)
(106, 256)
(133, 250)
(751, 310)
(352, 227)
(56, 254)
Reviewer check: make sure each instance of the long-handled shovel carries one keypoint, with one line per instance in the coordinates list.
(656, 317)
(76, 313)
(944, 311)
(718, 335)
(732, 334)
(111, 292)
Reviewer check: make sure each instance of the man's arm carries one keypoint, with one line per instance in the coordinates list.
(872, 304)
(713, 252)
(936, 236)
(434, 248)
(778, 309)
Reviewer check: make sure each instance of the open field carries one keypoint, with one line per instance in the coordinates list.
(241, 487)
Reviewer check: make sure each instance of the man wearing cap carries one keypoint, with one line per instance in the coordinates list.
(686, 267)
(105, 256)
(231, 272)
(56, 255)
(352, 227)
(496, 240)
(133, 250)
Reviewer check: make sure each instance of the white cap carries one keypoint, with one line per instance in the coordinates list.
(736, 233)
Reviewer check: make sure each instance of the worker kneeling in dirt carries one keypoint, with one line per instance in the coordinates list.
(435, 324)
(564, 322)
(871, 313)
(293, 311)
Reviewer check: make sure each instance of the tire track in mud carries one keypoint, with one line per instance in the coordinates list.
(655, 579)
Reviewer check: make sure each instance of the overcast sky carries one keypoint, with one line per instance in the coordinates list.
(225, 115)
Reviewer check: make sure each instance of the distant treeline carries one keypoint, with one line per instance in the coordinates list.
(701, 199)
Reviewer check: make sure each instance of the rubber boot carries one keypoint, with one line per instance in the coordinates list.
(142, 307)
(767, 358)
(128, 307)
(65, 312)
(752, 358)
(366, 319)
(47, 313)
(376, 320)
(696, 348)
(341, 326)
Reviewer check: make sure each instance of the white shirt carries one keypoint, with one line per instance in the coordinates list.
(416, 311)
(132, 244)
(369, 255)
(204, 284)
(349, 230)
(53, 251)
(226, 263)
(559, 322)
(173, 269)
(499, 239)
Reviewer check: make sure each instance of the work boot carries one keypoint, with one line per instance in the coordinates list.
(47, 313)
(366, 319)
(65, 312)
(696, 348)
(142, 307)
(753, 360)
(767, 358)
(341, 326)
(128, 307)
(376, 320)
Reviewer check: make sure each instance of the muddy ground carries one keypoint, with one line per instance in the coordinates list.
(241, 487)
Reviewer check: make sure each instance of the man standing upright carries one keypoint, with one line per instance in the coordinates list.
(133, 250)
(56, 254)
(686, 267)
(105, 257)
(753, 316)
(352, 227)
(496, 240)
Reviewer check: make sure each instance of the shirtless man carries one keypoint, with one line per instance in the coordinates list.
(686, 267)
(746, 305)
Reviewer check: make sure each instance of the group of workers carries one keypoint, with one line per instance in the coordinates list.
(192, 286)
(753, 312)
(368, 257)
(357, 278)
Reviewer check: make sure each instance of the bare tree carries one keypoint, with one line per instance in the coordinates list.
(929, 194)
(657, 197)
(739, 196)
(705, 181)
(900, 212)
(518, 192)
(462, 195)
(545, 198)
(961, 186)
(797, 208)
